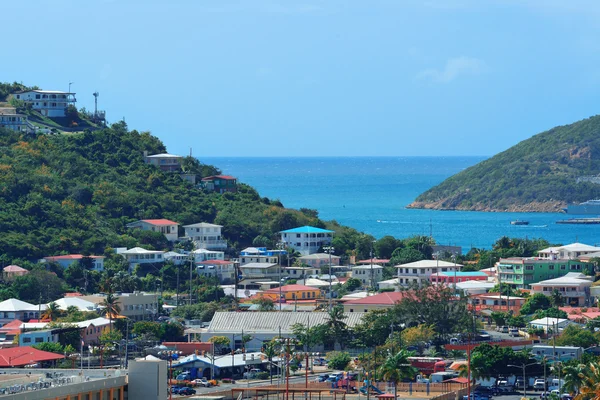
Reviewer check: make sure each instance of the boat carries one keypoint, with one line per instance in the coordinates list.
(519, 222)
(590, 207)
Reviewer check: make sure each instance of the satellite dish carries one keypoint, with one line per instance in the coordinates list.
(247, 292)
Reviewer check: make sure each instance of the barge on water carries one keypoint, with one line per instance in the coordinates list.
(580, 221)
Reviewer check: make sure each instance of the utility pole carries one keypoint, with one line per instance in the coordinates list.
(191, 264)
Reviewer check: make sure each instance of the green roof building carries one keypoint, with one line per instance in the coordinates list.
(521, 272)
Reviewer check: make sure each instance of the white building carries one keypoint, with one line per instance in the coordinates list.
(77, 302)
(319, 259)
(569, 252)
(389, 284)
(475, 287)
(419, 272)
(556, 353)
(549, 324)
(224, 270)
(177, 258)
(12, 309)
(166, 162)
(207, 255)
(574, 287)
(138, 255)
(50, 103)
(369, 275)
(206, 236)
(164, 226)
(260, 255)
(260, 270)
(96, 262)
(301, 272)
(306, 239)
(10, 119)
(137, 305)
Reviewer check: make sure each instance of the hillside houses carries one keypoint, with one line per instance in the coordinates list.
(50, 103)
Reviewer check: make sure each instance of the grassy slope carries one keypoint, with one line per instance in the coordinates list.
(538, 174)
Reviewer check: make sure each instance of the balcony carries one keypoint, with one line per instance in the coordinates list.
(211, 244)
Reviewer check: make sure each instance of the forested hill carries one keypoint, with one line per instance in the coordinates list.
(75, 193)
(538, 174)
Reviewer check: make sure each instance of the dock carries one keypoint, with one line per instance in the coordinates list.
(581, 221)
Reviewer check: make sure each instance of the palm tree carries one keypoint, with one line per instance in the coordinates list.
(590, 387)
(574, 376)
(271, 349)
(397, 367)
(557, 299)
(52, 311)
(336, 326)
(110, 303)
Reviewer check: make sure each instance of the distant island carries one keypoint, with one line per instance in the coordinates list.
(541, 174)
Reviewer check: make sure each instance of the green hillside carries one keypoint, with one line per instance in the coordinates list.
(538, 174)
(75, 193)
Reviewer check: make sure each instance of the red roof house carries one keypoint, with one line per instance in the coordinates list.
(25, 355)
(165, 226)
(12, 271)
(376, 302)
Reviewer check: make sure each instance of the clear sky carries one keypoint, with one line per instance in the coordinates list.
(316, 77)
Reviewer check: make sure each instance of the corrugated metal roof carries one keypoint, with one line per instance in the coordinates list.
(269, 322)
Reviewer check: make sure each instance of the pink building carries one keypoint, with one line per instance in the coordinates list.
(12, 271)
(452, 277)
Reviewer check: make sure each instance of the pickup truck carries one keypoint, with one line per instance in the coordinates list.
(539, 384)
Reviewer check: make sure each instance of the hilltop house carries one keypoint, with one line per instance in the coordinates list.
(166, 162)
(222, 269)
(319, 259)
(10, 119)
(16, 309)
(10, 272)
(205, 236)
(419, 272)
(260, 255)
(50, 103)
(568, 252)
(95, 262)
(164, 226)
(573, 287)
(306, 239)
(220, 183)
(138, 255)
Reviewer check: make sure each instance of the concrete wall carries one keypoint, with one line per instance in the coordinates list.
(147, 380)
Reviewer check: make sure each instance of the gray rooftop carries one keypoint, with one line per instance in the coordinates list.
(269, 322)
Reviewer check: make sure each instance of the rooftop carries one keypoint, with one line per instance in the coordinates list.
(18, 305)
(69, 257)
(374, 261)
(159, 222)
(367, 267)
(428, 264)
(257, 265)
(319, 256)
(306, 229)
(570, 279)
(290, 288)
(203, 225)
(460, 274)
(385, 298)
(225, 177)
(164, 155)
(14, 268)
(139, 250)
(25, 355)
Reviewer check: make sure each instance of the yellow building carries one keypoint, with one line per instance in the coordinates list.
(293, 293)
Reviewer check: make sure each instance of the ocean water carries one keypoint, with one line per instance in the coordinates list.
(370, 194)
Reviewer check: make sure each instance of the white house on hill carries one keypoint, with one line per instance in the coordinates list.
(50, 103)
(206, 236)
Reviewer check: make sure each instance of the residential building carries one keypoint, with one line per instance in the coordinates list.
(12, 309)
(10, 119)
(92, 329)
(177, 258)
(319, 260)
(569, 252)
(573, 287)
(301, 272)
(470, 288)
(222, 269)
(95, 263)
(260, 270)
(450, 278)
(264, 326)
(164, 226)
(550, 324)
(521, 272)
(306, 239)
(206, 236)
(369, 275)
(137, 306)
(77, 302)
(26, 355)
(389, 284)
(260, 255)
(375, 260)
(496, 302)
(292, 293)
(137, 255)
(316, 283)
(220, 183)
(207, 255)
(50, 103)
(52, 335)
(419, 272)
(556, 353)
(166, 162)
(9, 331)
(10, 272)
(381, 301)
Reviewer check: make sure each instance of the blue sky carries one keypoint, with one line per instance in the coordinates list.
(316, 77)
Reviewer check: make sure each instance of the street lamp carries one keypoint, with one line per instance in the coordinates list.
(524, 381)
(170, 354)
(329, 249)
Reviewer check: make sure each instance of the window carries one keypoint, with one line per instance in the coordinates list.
(563, 267)
(529, 267)
(37, 96)
(551, 267)
(352, 310)
(39, 340)
(26, 340)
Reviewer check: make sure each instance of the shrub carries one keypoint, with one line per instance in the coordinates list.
(338, 360)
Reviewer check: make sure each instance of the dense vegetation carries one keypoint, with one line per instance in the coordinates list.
(538, 174)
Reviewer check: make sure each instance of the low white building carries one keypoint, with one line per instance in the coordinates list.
(77, 302)
(301, 272)
(206, 236)
(569, 252)
(177, 258)
(138, 255)
(549, 324)
(136, 306)
(556, 353)
(389, 284)
(574, 287)
(260, 270)
(166, 162)
(222, 269)
(419, 272)
(10, 119)
(475, 287)
(207, 255)
(12, 309)
(164, 226)
(50, 103)
(318, 260)
(369, 275)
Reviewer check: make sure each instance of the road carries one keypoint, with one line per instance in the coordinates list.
(242, 383)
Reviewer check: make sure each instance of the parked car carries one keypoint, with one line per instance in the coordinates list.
(252, 373)
(322, 377)
(202, 382)
(504, 329)
(514, 332)
(539, 384)
(186, 391)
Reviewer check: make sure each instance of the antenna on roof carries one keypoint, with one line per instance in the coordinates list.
(96, 94)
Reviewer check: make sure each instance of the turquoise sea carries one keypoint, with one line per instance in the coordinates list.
(370, 194)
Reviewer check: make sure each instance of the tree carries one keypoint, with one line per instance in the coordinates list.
(499, 318)
(577, 336)
(264, 303)
(405, 256)
(418, 336)
(536, 302)
(574, 376)
(271, 349)
(219, 342)
(557, 299)
(52, 312)
(385, 246)
(112, 307)
(338, 360)
(397, 367)
(336, 326)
